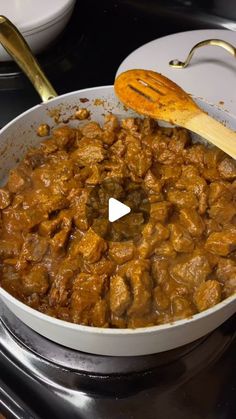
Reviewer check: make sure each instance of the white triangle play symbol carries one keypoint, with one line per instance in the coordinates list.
(116, 209)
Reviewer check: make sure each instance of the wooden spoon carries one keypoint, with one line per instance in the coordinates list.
(152, 94)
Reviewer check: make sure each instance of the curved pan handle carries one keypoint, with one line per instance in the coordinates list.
(14, 43)
(215, 42)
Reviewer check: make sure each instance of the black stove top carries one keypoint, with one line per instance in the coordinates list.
(40, 379)
(50, 381)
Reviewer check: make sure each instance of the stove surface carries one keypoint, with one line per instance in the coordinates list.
(47, 380)
(40, 379)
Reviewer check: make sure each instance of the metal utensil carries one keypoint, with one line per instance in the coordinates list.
(153, 94)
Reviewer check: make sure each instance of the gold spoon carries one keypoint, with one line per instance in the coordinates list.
(149, 93)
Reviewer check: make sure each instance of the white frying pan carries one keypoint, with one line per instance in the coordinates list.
(15, 138)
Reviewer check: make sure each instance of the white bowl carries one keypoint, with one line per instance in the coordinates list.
(39, 24)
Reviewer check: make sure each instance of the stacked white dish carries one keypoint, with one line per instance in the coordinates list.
(39, 22)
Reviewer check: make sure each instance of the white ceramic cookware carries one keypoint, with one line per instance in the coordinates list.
(15, 138)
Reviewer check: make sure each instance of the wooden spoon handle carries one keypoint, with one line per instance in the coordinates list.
(215, 132)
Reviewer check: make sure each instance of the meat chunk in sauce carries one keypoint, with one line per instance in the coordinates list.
(180, 239)
(222, 243)
(34, 248)
(121, 252)
(86, 293)
(207, 294)
(120, 296)
(36, 281)
(226, 273)
(227, 169)
(89, 151)
(193, 272)
(178, 261)
(5, 198)
(192, 221)
(92, 246)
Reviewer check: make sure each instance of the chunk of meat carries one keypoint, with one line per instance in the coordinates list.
(148, 126)
(168, 157)
(221, 243)
(180, 138)
(121, 252)
(160, 272)
(120, 296)
(218, 190)
(99, 314)
(182, 199)
(55, 202)
(181, 308)
(92, 246)
(48, 147)
(191, 181)
(207, 295)
(36, 281)
(192, 221)
(36, 157)
(222, 211)
(80, 210)
(213, 156)
(140, 284)
(170, 174)
(9, 248)
(160, 299)
(138, 160)
(160, 211)
(192, 272)
(61, 278)
(141, 289)
(195, 155)
(165, 249)
(132, 125)
(173, 289)
(152, 183)
(103, 267)
(118, 148)
(5, 198)
(87, 291)
(34, 248)
(58, 242)
(95, 175)
(142, 321)
(90, 151)
(111, 123)
(17, 181)
(62, 220)
(226, 273)
(212, 226)
(227, 169)
(64, 136)
(180, 239)
(33, 216)
(153, 234)
(92, 130)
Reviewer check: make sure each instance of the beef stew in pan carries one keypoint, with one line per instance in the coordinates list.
(182, 262)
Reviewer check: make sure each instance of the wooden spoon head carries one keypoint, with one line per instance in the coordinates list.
(152, 94)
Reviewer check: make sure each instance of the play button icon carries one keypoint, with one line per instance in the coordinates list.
(116, 210)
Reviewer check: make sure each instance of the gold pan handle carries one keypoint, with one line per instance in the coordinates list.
(14, 43)
(215, 42)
